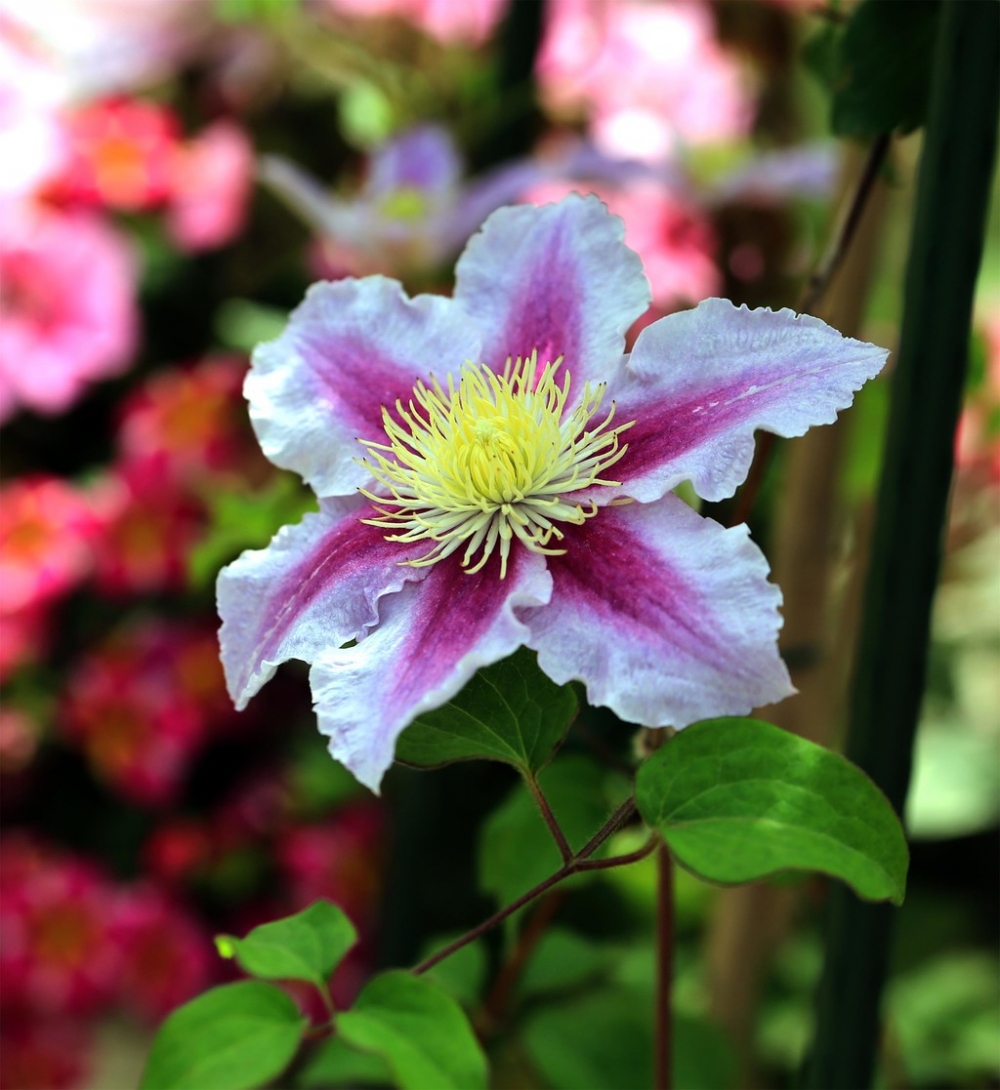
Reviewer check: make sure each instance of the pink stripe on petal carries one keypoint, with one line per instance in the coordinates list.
(666, 617)
(430, 640)
(558, 279)
(700, 382)
(351, 347)
(316, 586)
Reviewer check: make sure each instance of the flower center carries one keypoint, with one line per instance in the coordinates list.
(493, 459)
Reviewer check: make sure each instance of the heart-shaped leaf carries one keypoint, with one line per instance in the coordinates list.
(234, 1037)
(737, 799)
(419, 1030)
(306, 946)
(509, 712)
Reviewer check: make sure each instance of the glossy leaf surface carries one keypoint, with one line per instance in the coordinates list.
(307, 946)
(418, 1030)
(509, 712)
(737, 800)
(234, 1037)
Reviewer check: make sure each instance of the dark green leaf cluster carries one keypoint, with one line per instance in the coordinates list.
(403, 1030)
(877, 66)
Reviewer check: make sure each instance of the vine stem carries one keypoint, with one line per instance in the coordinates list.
(529, 938)
(550, 819)
(578, 862)
(663, 1038)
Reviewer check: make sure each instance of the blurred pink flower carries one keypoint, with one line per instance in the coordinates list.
(648, 75)
(339, 859)
(149, 526)
(55, 954)
(120, 154)
(673, 237)
(43, 1053)
(31, 132)
(447, 20)
(67, 306)
(167, 955)
(211, 178)
(47, 536)
(141, 704)
(193, 419)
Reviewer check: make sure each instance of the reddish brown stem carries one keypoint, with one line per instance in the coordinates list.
(663, 1038)
(573, 866)
(508, 976)
(550, 819)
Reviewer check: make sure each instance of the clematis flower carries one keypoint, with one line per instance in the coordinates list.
(671, 235)
(512, 486)
(414, 210)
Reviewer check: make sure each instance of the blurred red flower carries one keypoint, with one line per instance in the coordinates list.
(55, 953)
(48, 530)
(43, 1054)
(167, 956)
(192, 420)
(120, 155)
(141, 704)
(149, 527)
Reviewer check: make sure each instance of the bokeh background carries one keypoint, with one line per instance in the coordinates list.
(173, 174)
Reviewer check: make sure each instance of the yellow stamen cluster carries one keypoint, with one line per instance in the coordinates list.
(490, 460)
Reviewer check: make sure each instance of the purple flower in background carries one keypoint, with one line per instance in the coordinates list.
(512, 486)
(415, 211)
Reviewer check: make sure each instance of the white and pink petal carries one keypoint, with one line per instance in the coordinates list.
(558, 280)
(350, 348)
(699, 383)
(430, 640)
(316, 586)
(665, 616)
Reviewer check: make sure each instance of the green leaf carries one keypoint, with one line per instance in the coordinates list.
(335, 1063)
(246, 520)
(234, 1037)
(516, 847)
(562, 961)
(307, 946)
(605, 1039)
(419, 1030)
(509, 712)
(737, 799)
(882, 73)
(243, 324)
(946, 1018)
(461, 974)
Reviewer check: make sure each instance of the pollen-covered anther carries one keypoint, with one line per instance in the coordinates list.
(495, 458)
